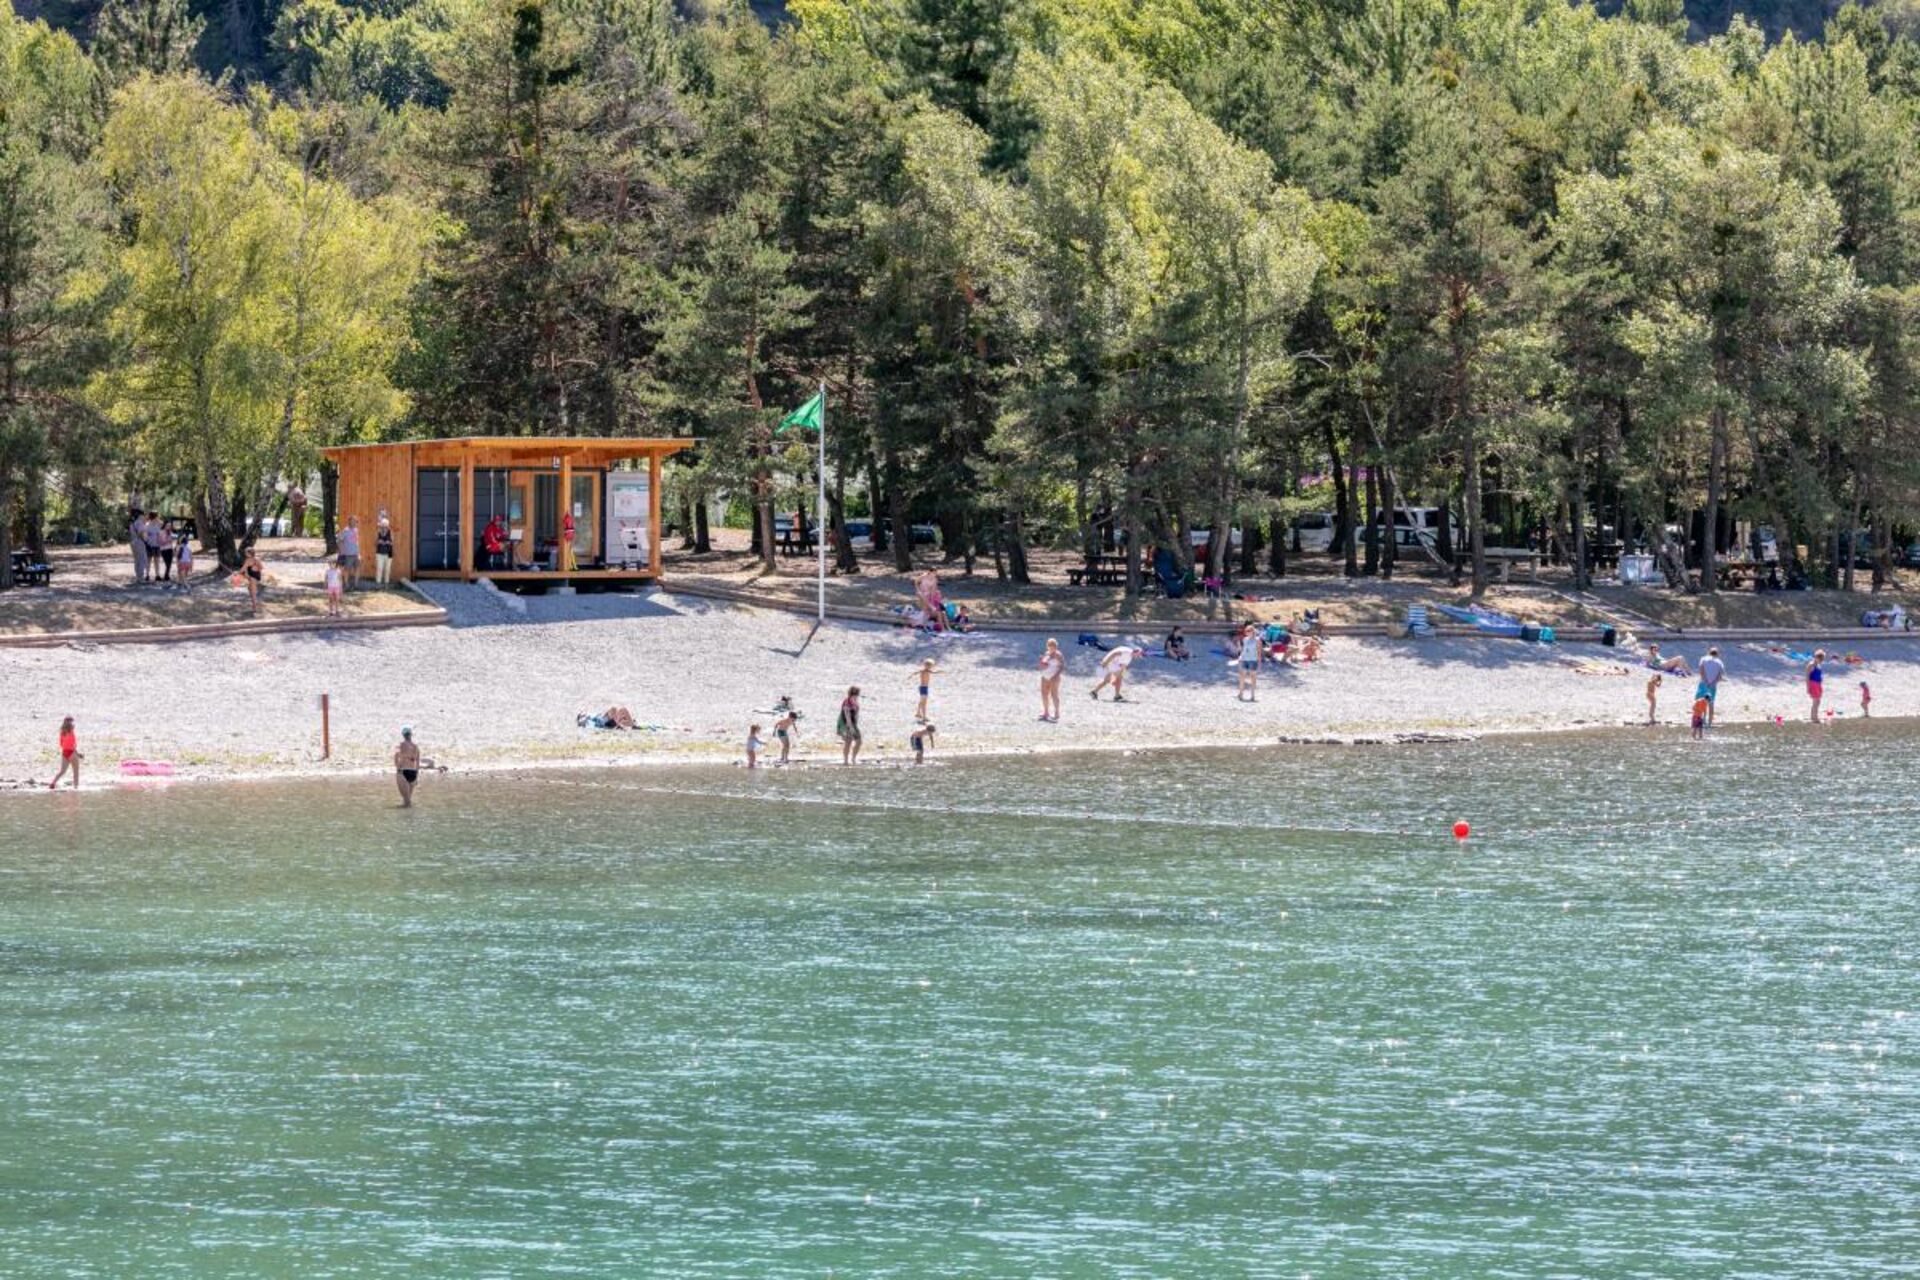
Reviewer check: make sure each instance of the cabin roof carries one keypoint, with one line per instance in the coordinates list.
(526, 446)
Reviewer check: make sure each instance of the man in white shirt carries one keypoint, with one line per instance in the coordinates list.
(1711, 672)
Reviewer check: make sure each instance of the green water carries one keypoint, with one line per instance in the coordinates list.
(1189, 1015)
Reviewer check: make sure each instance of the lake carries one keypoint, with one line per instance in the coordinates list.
(1170, 1015)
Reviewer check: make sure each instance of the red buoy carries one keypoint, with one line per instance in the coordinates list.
(1461, 831)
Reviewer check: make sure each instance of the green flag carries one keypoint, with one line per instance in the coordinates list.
(811, 414)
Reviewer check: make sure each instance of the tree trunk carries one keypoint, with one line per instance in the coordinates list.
(702, 528)
(1352, 567)
(1716, 478)
(35, 502)
(329, 506)
(6, 532)
(1017, 548)
(876, 503)
(1476, 532)
(1581, 579)
(902, 531)
(1853, 538)
(1277, 547)
(1373, 523)
(1250, 545)
(844, 560)
(1342, 508)
(686, 523)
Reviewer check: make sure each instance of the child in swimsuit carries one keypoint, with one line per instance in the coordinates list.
(1653, 694)
(925, 676)
(1816, 682)
(1866, 700)
(920, 739)
(753, 747)
(783, 730)
(70, 756)
(1700, 715)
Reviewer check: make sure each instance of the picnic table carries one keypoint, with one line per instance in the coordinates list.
(1505, 558)
(1100, 571)
(28, 572)
(1734, 575)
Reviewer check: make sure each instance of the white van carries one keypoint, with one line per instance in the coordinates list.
(1412, 527)
(1314, 530)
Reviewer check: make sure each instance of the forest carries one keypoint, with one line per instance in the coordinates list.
(1071, 271)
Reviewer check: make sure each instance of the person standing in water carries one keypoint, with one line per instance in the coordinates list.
(785, 727)
(407, 764)
(1711, 671)
(753, 747)
(70, 756)
(1702, 708)
(1053, 666)
(1653, 696)
(849, 726)
(1816, 682)
(921, 739)
(1866, 701)
(925, 677)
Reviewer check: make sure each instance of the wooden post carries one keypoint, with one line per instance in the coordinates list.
(466, 516)
(653, 513)
(565, 550)
(326, 727)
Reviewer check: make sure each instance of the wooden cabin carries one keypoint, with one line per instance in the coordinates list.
(440, 495)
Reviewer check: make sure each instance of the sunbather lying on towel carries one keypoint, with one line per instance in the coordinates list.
(611, 718)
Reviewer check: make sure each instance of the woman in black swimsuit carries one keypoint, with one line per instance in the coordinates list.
(254, 572)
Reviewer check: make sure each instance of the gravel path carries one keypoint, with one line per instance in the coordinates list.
(499, 689)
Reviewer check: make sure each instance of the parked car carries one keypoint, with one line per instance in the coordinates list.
(1313, 531)
(925, 535)
(1910, 558)
(1412, 526)
(1200, 538)
(860, 534)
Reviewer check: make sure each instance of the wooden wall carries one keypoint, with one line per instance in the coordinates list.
(372, 480)
(381, 477)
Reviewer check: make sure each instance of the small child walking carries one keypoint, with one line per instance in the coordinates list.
(183, 564)
(334, 585)
(1700, 707)
(921, 739)
(1653, 695)
(924, 677)
(70, 756)
(754, 746)
(1866, 701)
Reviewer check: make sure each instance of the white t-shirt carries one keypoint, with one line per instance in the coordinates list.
(1250, 647)
(1120, 657)
(333, 577)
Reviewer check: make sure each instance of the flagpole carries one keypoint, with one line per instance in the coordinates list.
(821, 506)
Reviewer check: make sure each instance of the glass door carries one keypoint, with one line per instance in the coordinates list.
(586, 516)
(437, 518)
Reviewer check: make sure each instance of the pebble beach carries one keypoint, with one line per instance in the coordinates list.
(499, 688)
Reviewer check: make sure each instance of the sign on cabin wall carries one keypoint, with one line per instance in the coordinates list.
(629, 518)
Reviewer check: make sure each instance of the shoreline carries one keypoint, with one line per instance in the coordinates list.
(547, 769)
(487, 694)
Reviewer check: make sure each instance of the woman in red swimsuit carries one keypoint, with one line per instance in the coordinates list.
(70, 756)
